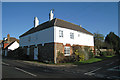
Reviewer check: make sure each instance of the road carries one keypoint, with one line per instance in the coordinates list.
(109, 69)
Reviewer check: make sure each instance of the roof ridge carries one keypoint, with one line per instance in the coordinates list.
(55, 21)
(68, 22)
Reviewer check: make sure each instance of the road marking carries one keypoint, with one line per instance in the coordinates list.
(113, 77)
(116, 68)
(110, 63)
(91, 72)
(25, 71)
(95, 70)
(5, 63)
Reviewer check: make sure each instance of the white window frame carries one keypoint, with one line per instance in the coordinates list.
(67, 51)
(60, 33)
(71, 35)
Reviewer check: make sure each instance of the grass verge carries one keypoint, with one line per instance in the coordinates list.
(92, 60)
(110, 56)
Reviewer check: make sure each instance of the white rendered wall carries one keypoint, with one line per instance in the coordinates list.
(83, 39)
(40, 37)
(14, 46)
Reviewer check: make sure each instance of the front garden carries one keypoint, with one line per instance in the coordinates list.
(84, 56)
(80, 56)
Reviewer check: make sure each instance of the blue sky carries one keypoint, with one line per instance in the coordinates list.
(101, 17)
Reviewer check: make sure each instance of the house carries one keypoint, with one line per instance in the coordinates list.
(0, 47)
(44, 41)
(10, 43)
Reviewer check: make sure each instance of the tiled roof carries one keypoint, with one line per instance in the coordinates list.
(11, 40)
(56, 22)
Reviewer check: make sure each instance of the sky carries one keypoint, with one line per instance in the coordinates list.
(96, 17)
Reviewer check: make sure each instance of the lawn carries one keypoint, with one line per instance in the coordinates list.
(110, 56)
(91, 60)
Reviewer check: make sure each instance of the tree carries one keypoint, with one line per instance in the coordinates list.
(99, 41)
(112, 41)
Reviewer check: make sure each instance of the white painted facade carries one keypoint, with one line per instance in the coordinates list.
(40, 37)
(14, 46)
(52, 35)
(80, 38)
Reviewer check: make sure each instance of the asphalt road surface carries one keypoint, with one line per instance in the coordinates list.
(109, 69)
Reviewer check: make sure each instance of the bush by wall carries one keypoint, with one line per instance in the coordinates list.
(107, 53)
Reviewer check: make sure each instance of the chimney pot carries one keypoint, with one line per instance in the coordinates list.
(51, 15)
(8, 37)
(36, 22)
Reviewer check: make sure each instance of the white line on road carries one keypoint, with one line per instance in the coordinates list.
(25, 71)
(5, 63)
(95, 70)
(91, 72)
(110, 63)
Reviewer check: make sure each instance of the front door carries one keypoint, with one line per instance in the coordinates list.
(36, 53)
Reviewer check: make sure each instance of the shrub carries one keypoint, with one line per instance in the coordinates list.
(60, 57)
(107, 53)
(91, 54)
(64, 59)
(80, 55)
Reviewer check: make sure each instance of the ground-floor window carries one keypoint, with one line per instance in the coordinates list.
(67, 51)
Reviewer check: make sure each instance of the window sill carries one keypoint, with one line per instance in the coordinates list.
(66, 54)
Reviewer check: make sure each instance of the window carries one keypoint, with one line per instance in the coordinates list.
(78, 35)
(67, 51)
(60, 33)
(71, 35)
(36, 37)
(29, 38)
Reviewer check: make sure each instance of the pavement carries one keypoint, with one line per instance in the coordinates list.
(107, 69)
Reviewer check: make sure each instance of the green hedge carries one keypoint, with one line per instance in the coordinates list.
(107, 53)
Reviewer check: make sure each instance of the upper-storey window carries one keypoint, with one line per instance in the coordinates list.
(60, 33)
(36, 37)
(78, 35)
(71, 35)
(29, 38)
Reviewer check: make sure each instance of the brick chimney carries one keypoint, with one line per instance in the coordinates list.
(8, 37)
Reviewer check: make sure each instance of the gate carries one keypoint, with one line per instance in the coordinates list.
(36, 53)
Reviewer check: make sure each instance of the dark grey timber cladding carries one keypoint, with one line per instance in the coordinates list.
(40, 55)
(46, 52)
(25, 49)
(31, 57)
